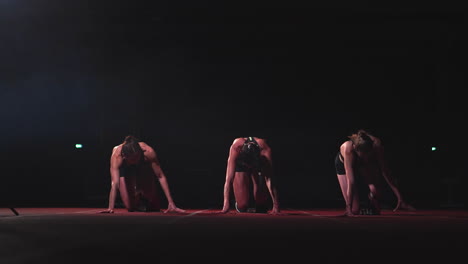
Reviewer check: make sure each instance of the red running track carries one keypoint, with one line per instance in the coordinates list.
(83, 235)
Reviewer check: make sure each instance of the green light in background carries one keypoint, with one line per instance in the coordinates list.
(433, 148)
(78, 146)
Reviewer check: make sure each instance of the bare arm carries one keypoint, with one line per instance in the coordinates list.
(268, 174)
(115, 163)
(389, 177)
(274, 195)
(155, 165)
(230, 172)
(385, 170)
(348, 156)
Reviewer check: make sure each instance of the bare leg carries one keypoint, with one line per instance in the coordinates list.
(370, 175)
(241, 188)
(149, 189)
(127, 192)
(374, 198)
(260, 192)
(344, 187)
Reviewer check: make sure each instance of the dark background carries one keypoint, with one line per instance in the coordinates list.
(188, 77)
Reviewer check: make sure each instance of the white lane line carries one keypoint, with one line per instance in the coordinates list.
(22, 215)
(186, 216)
(331, 217)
